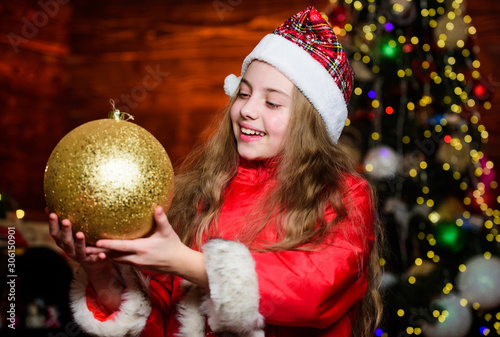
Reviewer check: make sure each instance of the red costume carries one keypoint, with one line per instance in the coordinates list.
(272, 294)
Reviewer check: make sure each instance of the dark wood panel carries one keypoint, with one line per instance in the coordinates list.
(33, 74)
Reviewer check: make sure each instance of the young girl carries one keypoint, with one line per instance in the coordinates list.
(270, 232)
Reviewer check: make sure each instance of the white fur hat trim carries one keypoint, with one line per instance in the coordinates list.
(231, 84)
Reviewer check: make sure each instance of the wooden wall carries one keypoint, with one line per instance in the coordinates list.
(33, 90)
(164, 62)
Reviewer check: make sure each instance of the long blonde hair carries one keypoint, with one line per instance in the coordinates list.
(309, 175)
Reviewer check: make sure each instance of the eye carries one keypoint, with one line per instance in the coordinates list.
(272, 105)
(243, 95)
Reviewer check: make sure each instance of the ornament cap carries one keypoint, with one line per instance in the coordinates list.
(117, 115)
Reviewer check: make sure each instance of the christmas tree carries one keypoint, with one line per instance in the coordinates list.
(415, 131)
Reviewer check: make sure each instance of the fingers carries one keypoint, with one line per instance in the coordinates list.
(66, 233)
(62, 234)
(66, 238)
(99, 253)
(74, 246)
(115, 255)
(162, 223)
(53, 225)
(95, 250)
(80, 246)
(129, 246)
(122, 251)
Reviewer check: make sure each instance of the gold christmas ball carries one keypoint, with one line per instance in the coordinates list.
(107, 176)
(453, 30)
(455, 153)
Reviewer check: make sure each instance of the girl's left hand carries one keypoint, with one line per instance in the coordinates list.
(162, 252)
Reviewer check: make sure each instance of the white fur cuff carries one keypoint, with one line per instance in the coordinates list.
(233, 304)
(131, 316)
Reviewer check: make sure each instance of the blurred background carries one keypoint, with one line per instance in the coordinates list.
(424, 127)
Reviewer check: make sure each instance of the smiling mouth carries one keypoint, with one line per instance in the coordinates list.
(250, 132)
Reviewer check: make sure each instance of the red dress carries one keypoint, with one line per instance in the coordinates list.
(272, 294)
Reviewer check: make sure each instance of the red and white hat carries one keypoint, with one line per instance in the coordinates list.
(306, 50)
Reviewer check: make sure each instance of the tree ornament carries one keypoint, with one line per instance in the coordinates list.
(337, 14)
(449, 236)
(450, 209)
(388, 280)
(480, 282)
(488, 174)
(403, 12)
(481, 89)
(456, 155)
(363, 73)
(389, 49)
(422, 270)
(456, 319)
(484, 191)
(382, 162)
(107, 176)
(479, 203)
(451, 31)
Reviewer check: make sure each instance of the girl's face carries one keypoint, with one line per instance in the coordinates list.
(261, 111)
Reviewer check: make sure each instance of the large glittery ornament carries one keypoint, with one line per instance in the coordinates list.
(107, 176)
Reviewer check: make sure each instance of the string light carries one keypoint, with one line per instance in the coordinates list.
(20, 214)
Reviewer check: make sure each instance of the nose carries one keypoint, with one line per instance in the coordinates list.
(249, 109)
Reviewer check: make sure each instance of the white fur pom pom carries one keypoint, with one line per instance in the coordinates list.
(231, 84)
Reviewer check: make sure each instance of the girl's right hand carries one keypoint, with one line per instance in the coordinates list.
(100, 270)
(74, 247)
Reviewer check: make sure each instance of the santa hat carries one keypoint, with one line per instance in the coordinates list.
(305, 49)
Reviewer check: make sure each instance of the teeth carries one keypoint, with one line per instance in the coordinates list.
(251, 132)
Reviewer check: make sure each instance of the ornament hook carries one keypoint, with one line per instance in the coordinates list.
(117, 114)
(112, 102)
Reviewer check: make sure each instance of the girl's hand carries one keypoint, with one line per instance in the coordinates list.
(101, 273)
(162, 252)
(74, 247)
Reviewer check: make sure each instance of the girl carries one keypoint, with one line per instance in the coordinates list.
(270, 232)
